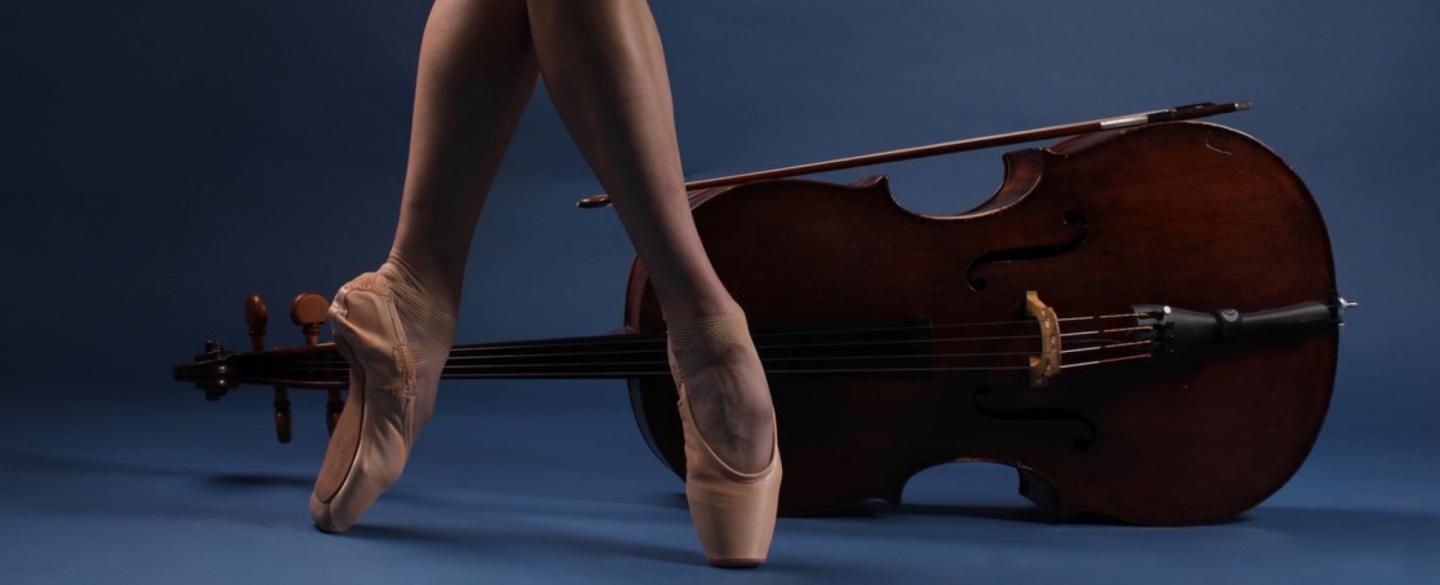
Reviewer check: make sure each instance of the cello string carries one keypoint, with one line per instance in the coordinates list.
(666, 372)
(845, 343)
(292, 383)
(1030, 321)
(451, 372)
(460, 360)
(658, 336)
(1105, 347)
(481, 350)
(461, 372)
(460, 352)
(1106, 361)
(470, 367)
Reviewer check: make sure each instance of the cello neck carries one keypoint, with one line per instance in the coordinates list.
(888, 348)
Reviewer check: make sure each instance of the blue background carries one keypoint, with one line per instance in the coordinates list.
(161, 159)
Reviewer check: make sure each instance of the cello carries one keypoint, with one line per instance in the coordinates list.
(1143, 321)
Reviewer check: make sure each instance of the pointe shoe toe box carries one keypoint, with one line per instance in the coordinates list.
(372, 439)
(733, 512)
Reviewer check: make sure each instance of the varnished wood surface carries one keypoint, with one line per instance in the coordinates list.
(1188, 214)
(1191, 215)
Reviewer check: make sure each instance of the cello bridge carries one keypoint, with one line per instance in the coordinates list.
(1047, 364)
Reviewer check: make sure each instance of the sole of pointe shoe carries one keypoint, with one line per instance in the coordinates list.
(736, 563)
(320, 508)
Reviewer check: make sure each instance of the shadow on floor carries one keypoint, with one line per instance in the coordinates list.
(471, 539)
(69, 486)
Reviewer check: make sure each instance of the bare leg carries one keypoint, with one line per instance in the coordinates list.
(477, 72)
(605, 71)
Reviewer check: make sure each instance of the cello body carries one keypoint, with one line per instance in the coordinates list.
(1187, 214)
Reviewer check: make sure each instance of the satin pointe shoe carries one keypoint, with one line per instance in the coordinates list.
(381, 419)
(733, 511)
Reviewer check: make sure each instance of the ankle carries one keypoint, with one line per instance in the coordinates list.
(427, 311)
(441, 291)
(707, 341)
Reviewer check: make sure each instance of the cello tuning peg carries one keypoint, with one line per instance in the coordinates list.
(309, 310)
(283, 427)
(257, 316)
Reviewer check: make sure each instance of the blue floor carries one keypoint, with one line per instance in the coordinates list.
(548, 481)
(161, 159)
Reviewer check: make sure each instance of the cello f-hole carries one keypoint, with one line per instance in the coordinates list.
(1073, 220)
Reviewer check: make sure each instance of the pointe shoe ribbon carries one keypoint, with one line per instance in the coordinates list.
(733, 511)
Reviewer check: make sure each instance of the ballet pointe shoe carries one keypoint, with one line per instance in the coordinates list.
(733, 511)
(372, 439)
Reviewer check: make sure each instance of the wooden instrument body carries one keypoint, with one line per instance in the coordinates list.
(1187, 214)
